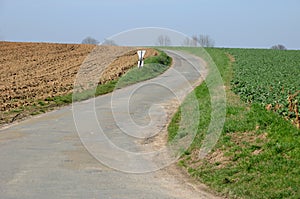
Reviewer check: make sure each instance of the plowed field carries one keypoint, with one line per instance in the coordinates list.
(32, 72)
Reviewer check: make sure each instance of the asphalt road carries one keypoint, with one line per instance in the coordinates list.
(100, 148)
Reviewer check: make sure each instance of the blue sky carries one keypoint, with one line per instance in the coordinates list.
(231, 23)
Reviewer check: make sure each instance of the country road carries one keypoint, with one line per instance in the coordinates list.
(100, 148)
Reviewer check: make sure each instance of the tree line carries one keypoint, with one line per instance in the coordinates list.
(164, 40)
(194, 41)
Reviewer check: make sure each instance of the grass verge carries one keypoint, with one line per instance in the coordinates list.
(258, 152)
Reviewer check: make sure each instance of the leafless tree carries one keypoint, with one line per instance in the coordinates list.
(190, 42)
(206, 41)
(201, 40)
(279, 47)
(163, 40)
(194, 41)
(90, 40)
(187, 42)
(109, 42)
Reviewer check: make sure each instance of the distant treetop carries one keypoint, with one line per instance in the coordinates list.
(201, 40)
(109, 42)
(279, 47)
(90, 40)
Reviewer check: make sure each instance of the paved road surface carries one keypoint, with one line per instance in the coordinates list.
(43, 157)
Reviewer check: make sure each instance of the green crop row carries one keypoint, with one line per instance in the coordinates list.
(267, 77)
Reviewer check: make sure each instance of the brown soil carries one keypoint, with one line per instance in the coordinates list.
(32, 72)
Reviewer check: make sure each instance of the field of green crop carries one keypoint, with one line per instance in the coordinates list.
(258, 153)
(268, 77)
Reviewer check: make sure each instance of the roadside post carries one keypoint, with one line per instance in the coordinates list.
(141, 54)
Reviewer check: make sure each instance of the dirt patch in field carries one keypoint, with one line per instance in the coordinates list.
(241, 139)
(231, 58)
(220, 158)
(33, 72)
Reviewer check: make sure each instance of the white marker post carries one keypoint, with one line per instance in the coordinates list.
(141, 54)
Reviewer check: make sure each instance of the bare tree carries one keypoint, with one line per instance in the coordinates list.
(109, 42)
(190, 42)
(279, 47)
(90, 40)
(194, 41)
(187, 42)
(206, 41)
(163, 40)
(201, 40)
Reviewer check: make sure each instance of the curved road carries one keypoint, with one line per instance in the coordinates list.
(43, 157)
